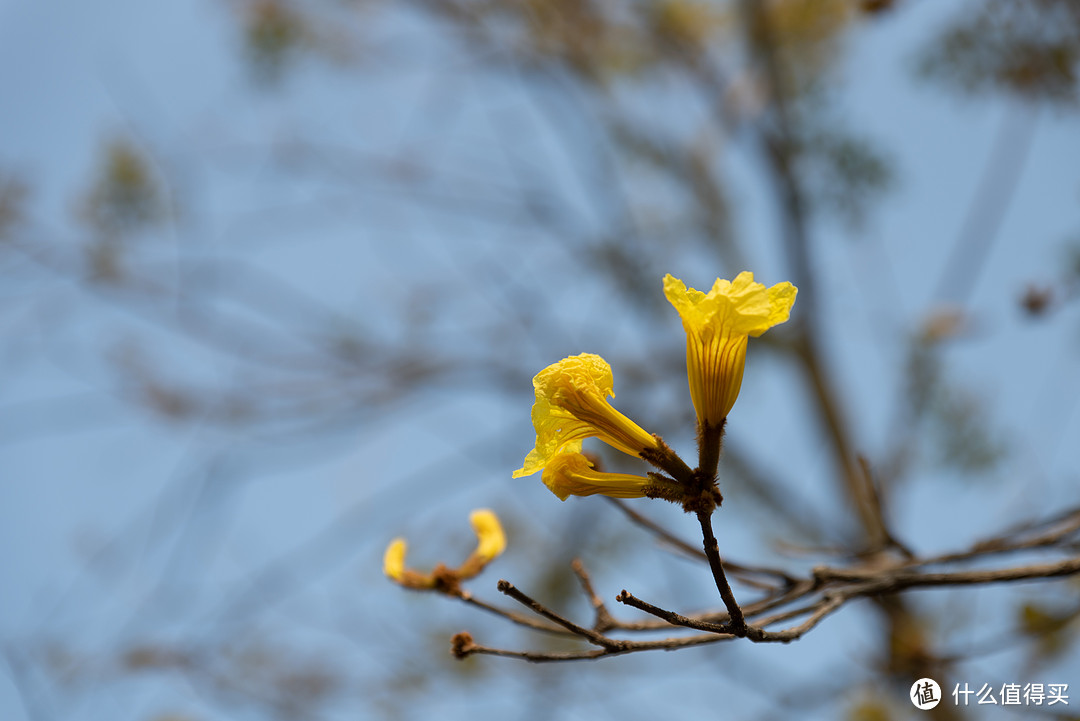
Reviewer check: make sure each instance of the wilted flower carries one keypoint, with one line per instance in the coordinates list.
(570, 473)
(571, 405)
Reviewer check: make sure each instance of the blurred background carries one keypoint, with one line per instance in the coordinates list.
(275, 276)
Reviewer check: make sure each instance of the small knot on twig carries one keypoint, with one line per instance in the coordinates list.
(461, 645)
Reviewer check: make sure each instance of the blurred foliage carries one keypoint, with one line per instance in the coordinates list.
(806, 36)
(954, 417)
(277, 680)
(911, 642)
(960, 432)
(275, 35)
(685, 24)
(1029, 48)
(593, 37)
(1072, 261)
(13, 194)
(125, 199)
(1052, 629)
(125, 196)
(1037, 299)
(870, 710)
(845, 175)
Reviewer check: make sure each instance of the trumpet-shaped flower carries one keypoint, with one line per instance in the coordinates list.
(571, 405)
(491, 541)
(718, 324)
(569, 473)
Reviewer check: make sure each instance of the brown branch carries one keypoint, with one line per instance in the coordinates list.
(823, 592)
(520, 620)
(799, 590)
(712, 551)
(603, 619)
(890, 581)
(1057, 529)
(833, 588)
(669, 644)
(828, 605)
(803, 610)
(672, 618)
(542, 610)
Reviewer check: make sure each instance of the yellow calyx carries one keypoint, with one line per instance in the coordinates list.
(571, 405)
(718, 324)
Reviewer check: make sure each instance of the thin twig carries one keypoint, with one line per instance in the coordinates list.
(889, 581)
(520, 620)
(667, 644)
(712, 551)
(542, 610)
(603, 619)
(672, 618)
(534, 656)
(830, 604)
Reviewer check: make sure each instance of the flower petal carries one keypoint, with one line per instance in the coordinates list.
(491, 541)
(571, 474)
(571, 405)
(394, 559)
(717, 326)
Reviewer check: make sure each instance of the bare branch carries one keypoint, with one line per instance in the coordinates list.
(823, 593)
(603, 620)
(511, 616)
(542, 610)
(673, 618)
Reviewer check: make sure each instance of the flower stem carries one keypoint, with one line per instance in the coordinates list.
(710, 439)
(712, 552)
(668, 461)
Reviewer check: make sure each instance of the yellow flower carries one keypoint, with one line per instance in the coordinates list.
(491, 541)
(571, 405)
(489, 534)
(394, 559)
(717, 325)
(394, 567)
(569, 473)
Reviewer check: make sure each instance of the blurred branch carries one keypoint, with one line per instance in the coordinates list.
(749, 575)
(993, 195)
(780, 146)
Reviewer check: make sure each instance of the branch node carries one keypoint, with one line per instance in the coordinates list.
(462, 645)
